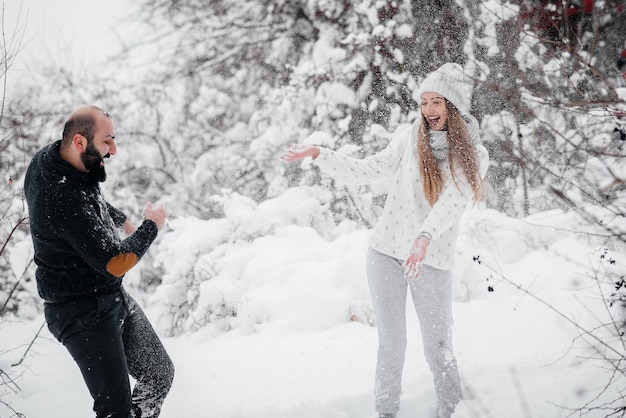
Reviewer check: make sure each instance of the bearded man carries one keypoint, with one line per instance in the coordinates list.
(81, 261)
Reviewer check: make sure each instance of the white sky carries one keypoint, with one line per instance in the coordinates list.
(76, 32)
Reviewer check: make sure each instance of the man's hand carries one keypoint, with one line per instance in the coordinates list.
(298, 152)
(128, 227)
(156, 214)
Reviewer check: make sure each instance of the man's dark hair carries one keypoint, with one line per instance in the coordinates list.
(83, 123)
(79, 124)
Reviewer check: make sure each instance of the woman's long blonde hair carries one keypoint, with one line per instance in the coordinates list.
(461, 153)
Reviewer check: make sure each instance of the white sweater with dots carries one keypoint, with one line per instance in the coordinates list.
(406, 211)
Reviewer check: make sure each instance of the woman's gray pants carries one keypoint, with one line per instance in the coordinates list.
(432, 297)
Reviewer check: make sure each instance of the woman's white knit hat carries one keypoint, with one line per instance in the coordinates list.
(449, 81)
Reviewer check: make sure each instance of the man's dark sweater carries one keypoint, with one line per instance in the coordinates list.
(78, 250)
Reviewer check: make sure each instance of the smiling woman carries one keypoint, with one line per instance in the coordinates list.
(412, 247)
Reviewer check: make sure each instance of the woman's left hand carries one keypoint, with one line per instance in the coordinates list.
(413, 264)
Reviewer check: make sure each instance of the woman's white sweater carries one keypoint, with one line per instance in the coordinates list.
(406, 211)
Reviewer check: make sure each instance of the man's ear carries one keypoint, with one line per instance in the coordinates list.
(79, 142)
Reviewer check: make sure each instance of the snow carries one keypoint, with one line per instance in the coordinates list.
(303, 346)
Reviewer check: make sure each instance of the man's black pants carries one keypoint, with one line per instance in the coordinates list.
(110, 338)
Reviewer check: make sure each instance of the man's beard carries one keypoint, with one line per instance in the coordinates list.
(91, 159)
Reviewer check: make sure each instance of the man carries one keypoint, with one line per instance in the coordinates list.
(81, 261)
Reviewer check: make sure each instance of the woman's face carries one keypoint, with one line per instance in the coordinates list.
(434, 110)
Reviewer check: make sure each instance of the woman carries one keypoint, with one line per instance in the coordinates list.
(437, 167)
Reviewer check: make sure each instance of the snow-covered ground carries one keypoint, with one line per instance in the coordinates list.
(517, 356)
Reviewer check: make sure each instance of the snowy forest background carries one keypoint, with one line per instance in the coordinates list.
(206, 95)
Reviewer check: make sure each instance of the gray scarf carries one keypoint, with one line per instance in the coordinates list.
(439, 144)
(439, 139)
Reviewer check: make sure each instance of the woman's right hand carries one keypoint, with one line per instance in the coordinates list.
(298, 152)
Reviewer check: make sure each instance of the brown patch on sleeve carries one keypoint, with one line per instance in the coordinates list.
(120, 264)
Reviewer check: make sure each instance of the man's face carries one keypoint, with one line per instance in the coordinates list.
(102, 146)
